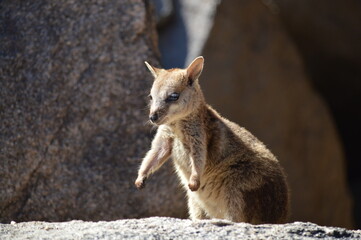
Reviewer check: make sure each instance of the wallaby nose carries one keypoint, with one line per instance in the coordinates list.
(153, 117)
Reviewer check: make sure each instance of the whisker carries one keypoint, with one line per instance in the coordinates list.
(146, 108)
(147, 123)
(154, 128)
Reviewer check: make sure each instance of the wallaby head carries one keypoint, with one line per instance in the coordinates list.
(175, 92)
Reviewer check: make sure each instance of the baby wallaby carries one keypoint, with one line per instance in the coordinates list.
(227, 172)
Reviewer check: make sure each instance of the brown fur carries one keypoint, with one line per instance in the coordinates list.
(227, 172)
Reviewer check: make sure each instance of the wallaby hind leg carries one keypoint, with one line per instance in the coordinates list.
(235, 207)
(195, 210)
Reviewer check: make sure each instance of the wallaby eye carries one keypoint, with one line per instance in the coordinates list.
(172, 97)
(150, 97)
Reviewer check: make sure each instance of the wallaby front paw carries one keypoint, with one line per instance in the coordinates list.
(140, 182)
(194, 184)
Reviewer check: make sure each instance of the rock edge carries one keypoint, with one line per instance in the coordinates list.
(171, 228)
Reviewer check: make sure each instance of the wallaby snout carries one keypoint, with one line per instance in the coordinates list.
(153, 117)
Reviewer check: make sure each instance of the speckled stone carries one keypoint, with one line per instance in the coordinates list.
(73, 112)
(170, 228)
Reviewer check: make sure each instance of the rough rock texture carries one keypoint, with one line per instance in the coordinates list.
(170, 228)
(254, 76)
(73, 112)
(328, 36)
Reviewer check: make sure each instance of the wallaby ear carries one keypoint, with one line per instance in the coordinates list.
(194, 69)
(152, 69)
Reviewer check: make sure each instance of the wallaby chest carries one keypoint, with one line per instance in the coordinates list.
(181, 157)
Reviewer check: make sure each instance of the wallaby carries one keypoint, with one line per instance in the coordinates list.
(227, 172)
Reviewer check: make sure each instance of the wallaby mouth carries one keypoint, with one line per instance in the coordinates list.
(159, 121)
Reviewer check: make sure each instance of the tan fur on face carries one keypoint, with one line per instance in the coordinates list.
(227, 172)
(167, 82)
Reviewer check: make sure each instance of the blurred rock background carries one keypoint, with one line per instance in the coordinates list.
(73, 100)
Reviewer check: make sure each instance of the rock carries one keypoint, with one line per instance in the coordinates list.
(328, 36)
(73, 112)
(164, 12)
(170, 228)
(326, 32)
(254, 76)
(182, 39)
